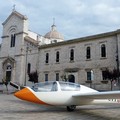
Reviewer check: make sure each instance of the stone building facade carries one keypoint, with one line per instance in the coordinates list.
(82, 60)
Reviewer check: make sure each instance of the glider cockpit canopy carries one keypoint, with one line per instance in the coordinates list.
(51, 86)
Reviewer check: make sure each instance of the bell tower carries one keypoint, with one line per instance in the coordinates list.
(15, 28)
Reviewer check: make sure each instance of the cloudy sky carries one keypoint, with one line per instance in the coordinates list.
(73, 18)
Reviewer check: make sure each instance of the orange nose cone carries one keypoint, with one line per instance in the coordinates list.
(23, 94)
(26, 94)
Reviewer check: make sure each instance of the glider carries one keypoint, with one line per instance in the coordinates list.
(67, 94)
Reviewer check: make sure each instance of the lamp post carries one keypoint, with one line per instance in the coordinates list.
(26, 60)
(117, 60)
(27, 49)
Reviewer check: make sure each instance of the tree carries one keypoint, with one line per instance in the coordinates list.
(33, 77)
(111, 75)
(64, 77)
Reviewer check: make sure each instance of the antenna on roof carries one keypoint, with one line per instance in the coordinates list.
(53, 26)
(53, 21)
(14, 7)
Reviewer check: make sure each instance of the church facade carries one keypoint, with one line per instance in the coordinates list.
(82, 60)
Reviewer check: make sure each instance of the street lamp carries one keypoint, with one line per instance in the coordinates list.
(26, 57)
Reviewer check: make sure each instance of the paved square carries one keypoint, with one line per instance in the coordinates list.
(12, 108)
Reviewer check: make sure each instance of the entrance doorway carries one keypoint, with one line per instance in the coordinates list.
(8, 72)
(71, 78)
(8, 69)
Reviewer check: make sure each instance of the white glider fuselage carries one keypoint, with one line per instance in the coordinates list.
(61, 97)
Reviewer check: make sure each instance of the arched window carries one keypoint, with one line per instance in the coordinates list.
(72, 55)
(71, 78)
(88, 53)
(12, 40)
(29, 68)
(103, 50)
(47, 58)
(57, 56)
(8, 67)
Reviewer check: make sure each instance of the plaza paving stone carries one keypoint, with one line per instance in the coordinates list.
(12, 108)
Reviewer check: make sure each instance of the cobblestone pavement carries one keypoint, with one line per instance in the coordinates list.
(12, 108)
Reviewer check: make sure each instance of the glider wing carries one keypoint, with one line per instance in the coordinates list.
(99, 95)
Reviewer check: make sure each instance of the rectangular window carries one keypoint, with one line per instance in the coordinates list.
(103, 75)
(57, 76)
(90, 75)
(46, 77)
